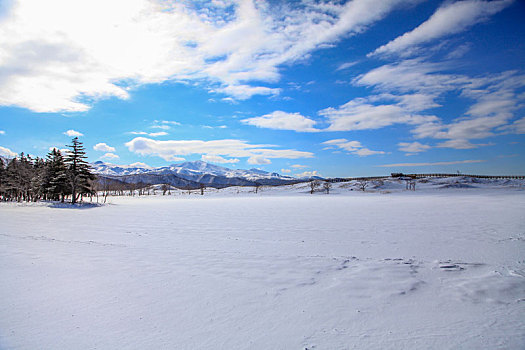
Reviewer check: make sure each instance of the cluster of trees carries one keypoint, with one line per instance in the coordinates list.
(56, 177)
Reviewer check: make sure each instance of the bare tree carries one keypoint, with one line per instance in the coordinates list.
(257, 186)
(327, 186)
(164, 189)
(202, 187)
(313, 185)
(362, 185)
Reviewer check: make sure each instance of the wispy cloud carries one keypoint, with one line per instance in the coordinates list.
(218, 159)
(152, 134)
(449, 19)
(173, 150)
(2, 132)
(354, 147)
(413, 147)
(429, 164)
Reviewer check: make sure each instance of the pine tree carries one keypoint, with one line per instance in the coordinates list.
(55, 177)
(79, 172)
(3, 180)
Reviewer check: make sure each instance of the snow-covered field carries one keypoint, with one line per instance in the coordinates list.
(439, 268)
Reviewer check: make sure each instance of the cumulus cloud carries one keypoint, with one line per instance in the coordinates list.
(103, 147)
(73, 133)
(110, 156)
(450, 18)
(283, 121)
(6, 152)
(172, 150)
(354, 147)
(88, 50)
(430, 164)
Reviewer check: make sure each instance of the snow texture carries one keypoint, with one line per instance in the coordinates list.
(439, 268)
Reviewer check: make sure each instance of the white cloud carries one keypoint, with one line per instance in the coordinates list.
(172, 150)
(102, 147)
(299, 166)
(517, 127)
(160, 133)
(217, 159)
(354, 147)
(110, 156)
(286, 171)
(152, 134)
(430, 164)
(169, 122)
(308, 174)
(2, 132)
(73, 133)
(65, 60)
(283, 121)
(347, 65)
(162, 126)
(413, 147)
(258, 160)
(6, 152)
(449, 19)
(360, 114)
(495, 100)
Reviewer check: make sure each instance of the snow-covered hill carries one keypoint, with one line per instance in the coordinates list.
(194, 172)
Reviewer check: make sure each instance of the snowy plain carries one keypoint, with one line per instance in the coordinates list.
(439, 268)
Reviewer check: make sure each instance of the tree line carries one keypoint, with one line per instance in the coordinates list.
(57, 177)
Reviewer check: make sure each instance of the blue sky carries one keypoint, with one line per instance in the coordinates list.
(353, 88)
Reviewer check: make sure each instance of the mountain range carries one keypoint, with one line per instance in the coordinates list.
(190, 174)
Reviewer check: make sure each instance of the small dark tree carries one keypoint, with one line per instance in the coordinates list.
(327, 186)
(362, 185)
(164, 189)
(313, 185)
(257, 186)
(79, 172)
(202, 187)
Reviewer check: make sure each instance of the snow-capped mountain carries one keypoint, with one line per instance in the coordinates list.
(190, 174)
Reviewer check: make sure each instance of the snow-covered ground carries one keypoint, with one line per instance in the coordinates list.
(439, 268)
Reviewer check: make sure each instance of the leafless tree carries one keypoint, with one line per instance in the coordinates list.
(362, 185)
(164, 189)
(313, 185)
(327, 186)
(257, 186)
(202, 187)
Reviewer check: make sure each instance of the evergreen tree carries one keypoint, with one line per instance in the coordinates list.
(55, 183)
(78, 170)
(3, 180)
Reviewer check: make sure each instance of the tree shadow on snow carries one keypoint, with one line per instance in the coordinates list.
(60, 205)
